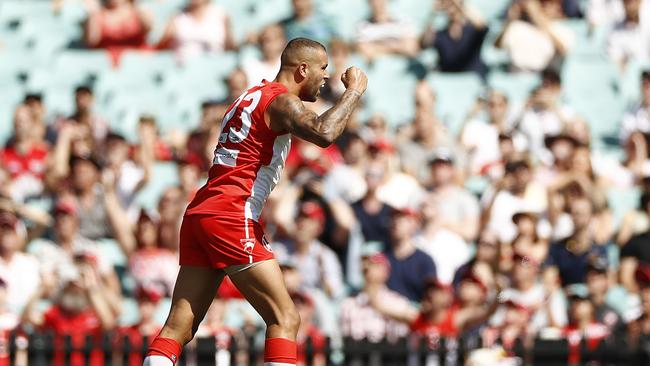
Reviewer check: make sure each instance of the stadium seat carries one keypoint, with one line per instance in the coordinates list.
(19, 10)
(272, 11)
(517, 86)
(87, 62)
(621, 201)
(456, 93)
(391, 90)
(590, 86)
(346, 15)
(111, 250)
(164, 175)
(416, 12)
(490, 9)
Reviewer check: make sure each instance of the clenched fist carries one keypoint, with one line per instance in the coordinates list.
(355, 79)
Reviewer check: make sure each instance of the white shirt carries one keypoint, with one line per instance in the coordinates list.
(628, 42)
(257, 70)
(636, 119)
(530, 48)
(22, 275)
(448, 250)
(481, 139)
(506, 205)
(194, 36)
(345, 182)
(533, 297)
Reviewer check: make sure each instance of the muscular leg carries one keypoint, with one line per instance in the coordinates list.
(263, 286)
(194, 291)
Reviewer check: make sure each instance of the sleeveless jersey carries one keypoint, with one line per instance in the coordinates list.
(248, 159)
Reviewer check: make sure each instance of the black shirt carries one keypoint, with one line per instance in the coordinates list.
(572, 266)
(462, 54)
(375, 227)
(638, 247)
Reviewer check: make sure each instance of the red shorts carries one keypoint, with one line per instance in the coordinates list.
(218, 242)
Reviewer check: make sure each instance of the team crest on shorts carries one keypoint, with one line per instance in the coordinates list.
(248, 244)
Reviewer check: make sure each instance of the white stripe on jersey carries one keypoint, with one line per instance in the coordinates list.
(267, 177)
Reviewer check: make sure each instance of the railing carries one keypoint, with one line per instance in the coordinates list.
(45, 349)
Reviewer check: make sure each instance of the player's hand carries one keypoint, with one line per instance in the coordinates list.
(355, 79)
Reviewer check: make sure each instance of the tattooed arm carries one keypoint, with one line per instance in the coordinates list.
(288, 113)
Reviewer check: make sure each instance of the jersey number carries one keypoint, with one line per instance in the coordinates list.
(230, 135)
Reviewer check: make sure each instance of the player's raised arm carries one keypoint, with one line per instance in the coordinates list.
(288, 113)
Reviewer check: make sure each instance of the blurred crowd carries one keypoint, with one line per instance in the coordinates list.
(503, 230)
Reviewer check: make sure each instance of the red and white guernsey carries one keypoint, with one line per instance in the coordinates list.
(248, 159)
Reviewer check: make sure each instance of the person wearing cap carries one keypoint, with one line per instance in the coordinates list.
(638, 117)
(528, 241)
(516, 191)
(458, 209)
(19, 270)
(410, 266)
(515, 328)
(545, 302)
(582, 325)
(376, 312)
(68, 246)
(318, 265)
(79, 309)
(598, 284)
(568, 258)
(636, 250)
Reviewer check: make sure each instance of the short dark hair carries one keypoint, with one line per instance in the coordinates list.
(296, 45)
(83, 89)
(36, 97)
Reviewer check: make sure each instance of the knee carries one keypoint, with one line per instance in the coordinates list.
(289, 320)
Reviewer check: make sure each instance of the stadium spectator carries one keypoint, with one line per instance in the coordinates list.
(318, 265)
(427, 135)
(457, 209)
(629, 41)
(604, 13)
(345, 180)
(382, 34)
(546, 115)
(459, 44)
(58, 256)
(271, 43)
(528, 241)
(371, 213)
(569, 257)
(487, 251)
(202, 28)
(543, 298)
(582, 326)
(19, 270)
(149, 263)
(362, 316)
(146, 328)
(308, 330)
(25, 157)
(307, 23)
(79, 310)
(514, 329)
(635, 251)
(339, 53)
(410, 267)
(516, 191)
(598, 284)
(534, 36)
(171, 207)
(447, 248)
(638, 117)
(84, 114)
(479, 136)
(116, 25)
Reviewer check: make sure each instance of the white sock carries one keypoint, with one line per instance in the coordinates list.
(278, 364)
(157, 361)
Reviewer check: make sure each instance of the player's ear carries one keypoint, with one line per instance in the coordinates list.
(303, 69)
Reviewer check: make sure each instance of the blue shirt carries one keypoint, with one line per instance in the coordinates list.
(573, 267)
(408, 275)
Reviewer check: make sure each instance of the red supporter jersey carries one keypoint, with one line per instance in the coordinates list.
(248, 159)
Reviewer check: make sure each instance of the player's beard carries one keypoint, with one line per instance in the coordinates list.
(313, 91)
